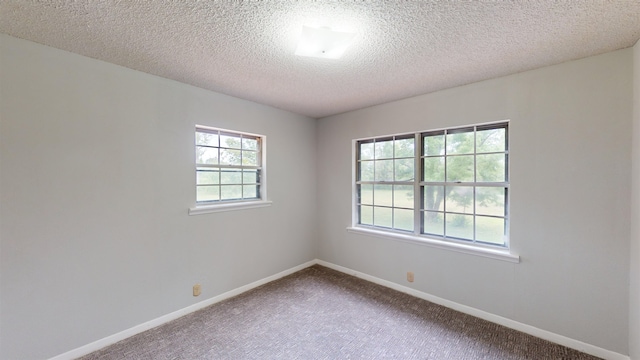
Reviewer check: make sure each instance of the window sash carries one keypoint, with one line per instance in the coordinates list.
(393, 212)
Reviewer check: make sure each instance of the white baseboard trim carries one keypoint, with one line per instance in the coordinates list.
(543, 334)
(112, 339)
(528, 329)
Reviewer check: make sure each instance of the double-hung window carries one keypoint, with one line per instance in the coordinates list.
(229, 166)
(448, 184)
(386, 178)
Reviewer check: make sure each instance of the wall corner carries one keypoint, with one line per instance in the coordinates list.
(634, 269)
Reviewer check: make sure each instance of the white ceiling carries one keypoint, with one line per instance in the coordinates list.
(403, 48)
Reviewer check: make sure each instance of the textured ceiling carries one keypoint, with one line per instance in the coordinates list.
(403, 48)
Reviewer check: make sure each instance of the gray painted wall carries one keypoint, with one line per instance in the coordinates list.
(570, 138)
(97, 174)
(634, 294)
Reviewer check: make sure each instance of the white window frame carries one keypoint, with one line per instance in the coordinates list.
(204, 207)
(417, 236)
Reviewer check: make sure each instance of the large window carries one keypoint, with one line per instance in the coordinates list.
(228, 166)
(450, 184)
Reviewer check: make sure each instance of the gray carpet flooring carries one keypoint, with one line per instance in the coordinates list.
(319, 313)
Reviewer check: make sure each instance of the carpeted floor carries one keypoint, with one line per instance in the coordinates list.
(319, 313)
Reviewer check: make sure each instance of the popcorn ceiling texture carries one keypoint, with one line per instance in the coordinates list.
(403, 48)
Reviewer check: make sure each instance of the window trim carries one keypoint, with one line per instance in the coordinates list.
(236, 204)
(228, 206)
(416, 236)
(496, 253)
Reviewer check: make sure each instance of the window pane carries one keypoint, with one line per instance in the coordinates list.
(460, 143)
(229, 157)
(404, 148)
(230, 141)
(490, 230)
(491, 168)
(366, 171)
(459, 226)
(230, 176)
(249, 144)
(203, 138)
(207, 193)
(460, 168)
(382, 195)
(384, 149)
(403, 196)
(403, 219)
(382, 217)
(433, 198)
(433, 223)
(490, 201)
(366, 194)
(250, 191)
(231, 192)
(433, 145)
(206, 155)
(459, 199)
(366, 151)
(366, 215)
(249, 176)
(433, 168)
(404, 169)
(384, 170)
(206, 176)
(250, 158)
(491, 140)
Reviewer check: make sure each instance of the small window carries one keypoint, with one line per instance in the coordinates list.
(450, 184)
(229, 166)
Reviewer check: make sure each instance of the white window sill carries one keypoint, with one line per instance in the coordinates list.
(206, 209)
(497, 254)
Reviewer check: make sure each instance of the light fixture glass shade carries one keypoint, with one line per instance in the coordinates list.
(323, 42)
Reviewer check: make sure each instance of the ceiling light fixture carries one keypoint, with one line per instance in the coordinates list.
(323, 42)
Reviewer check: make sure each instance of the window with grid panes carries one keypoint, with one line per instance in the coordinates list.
(385, 184)
(228, 166)
(449, 184)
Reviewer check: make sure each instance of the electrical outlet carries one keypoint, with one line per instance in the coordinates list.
(197, 289)
(410, 276)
